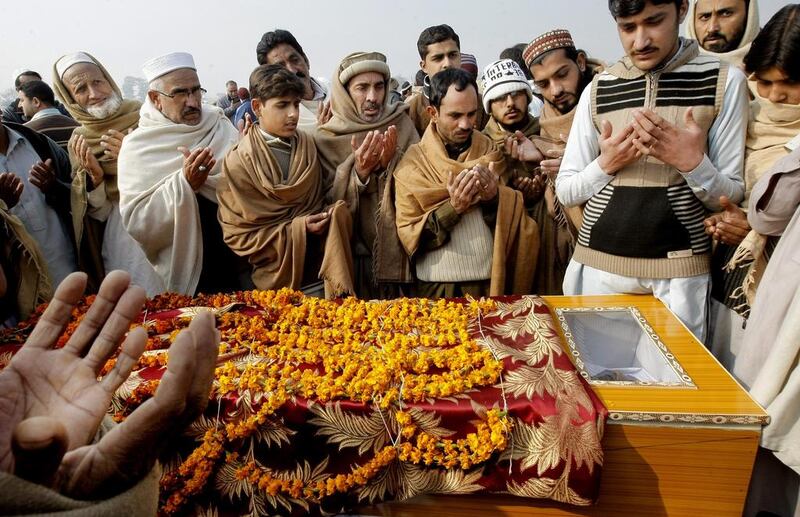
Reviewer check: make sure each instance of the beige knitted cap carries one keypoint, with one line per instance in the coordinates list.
(360, 62)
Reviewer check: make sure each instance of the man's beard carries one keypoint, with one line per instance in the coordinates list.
(723, 44)
(107, 108)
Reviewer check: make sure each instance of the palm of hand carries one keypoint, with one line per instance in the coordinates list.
(54, 383)
(528, 152)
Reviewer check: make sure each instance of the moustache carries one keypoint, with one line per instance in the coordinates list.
(191, 111)
(369, 105)
(714, 35)
(646, 50)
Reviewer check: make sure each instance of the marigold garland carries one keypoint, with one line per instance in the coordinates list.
(383, 353)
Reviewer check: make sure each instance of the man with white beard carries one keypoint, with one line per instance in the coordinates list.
(169, 169)
(94, 100)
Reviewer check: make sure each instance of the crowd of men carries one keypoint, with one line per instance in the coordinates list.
(673, 171)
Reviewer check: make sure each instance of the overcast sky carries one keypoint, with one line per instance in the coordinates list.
(222, 35)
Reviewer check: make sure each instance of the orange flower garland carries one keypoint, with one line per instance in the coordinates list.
(383, 353)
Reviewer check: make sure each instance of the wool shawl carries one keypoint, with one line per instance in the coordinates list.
(735, 56)
(35, 286)
(389, 262)
(92, 129)
(263, 218)
(421, 179)
(89, 232)
(158, 206)
(771, 127)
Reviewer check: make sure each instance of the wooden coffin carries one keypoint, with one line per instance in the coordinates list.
(681, 448)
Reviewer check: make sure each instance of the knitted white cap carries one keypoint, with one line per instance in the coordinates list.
(167, 63)
(500, 78)
(71, 59)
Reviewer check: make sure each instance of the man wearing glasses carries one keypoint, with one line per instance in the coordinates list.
(169, 169)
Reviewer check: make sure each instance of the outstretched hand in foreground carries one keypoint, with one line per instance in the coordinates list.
(52, 400)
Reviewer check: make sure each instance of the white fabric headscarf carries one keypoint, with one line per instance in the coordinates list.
(736, 56)
(158, 206)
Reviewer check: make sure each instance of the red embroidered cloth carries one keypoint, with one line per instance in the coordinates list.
(553, 450)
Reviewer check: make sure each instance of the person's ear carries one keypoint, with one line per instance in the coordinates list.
(682, 10)
(581, 61)
(433, 113)
(154, 98)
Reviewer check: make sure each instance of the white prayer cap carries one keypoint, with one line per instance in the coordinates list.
(167, 63)
(18, 72)
(71, 59)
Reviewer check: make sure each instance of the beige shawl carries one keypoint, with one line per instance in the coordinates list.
(263, 218)
(158, 206)
(735, 56)
(89, 231)
(389, 262)
(35, 286)
(422, 188)
(771, 127)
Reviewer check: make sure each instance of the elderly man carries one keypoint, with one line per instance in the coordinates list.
(657, 139)
(104, 118)
(279, 47)
(723, 28)
(439, 48)
(506, 98)
(359, 149)
(168, 175)
(467, 233)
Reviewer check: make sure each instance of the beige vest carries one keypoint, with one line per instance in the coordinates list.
(466, 257)
(647, 222)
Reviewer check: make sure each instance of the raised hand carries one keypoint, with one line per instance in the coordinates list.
(464, 189)
(389, 146)
(317, 224)
(324, 113)
(112, 142)
(519, 147)
(10, 188)
(680, 147)
(368, 153)
(42, 175)
(80, 148)
(244, 125)
(531, 188)
(729, 226)
(618, 150)
(197, 165)
(52, 402)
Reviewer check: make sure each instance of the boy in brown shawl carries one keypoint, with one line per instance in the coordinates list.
(359, 149)
(271, 202)
(506, 96)
(468, 234)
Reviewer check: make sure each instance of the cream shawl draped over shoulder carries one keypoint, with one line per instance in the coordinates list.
(158, 206)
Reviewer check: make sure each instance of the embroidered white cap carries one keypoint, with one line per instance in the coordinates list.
(63, 64)
(167, 63)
